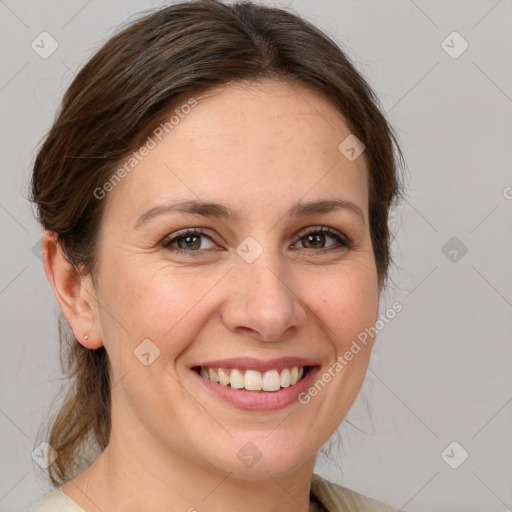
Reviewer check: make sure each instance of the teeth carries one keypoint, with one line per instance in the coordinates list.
(213, 375)
(285, 378)
(271, 381)
(223, 377)
(252, 380)
(236, 379)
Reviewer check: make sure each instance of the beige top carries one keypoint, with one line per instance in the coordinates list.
(333, 497)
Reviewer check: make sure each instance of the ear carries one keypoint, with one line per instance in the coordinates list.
(74, 293)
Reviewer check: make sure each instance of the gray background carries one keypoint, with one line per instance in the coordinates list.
(440, 371)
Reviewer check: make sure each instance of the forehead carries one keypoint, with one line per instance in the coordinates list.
(264, 142)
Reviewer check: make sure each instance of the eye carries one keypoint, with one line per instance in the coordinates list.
(191, 240)
(187, 240)
(315, 237)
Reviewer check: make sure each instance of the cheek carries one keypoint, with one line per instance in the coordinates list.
(346, 303)
(161, 304)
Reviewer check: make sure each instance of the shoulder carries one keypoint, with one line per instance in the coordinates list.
(336, 498)
(56, 501)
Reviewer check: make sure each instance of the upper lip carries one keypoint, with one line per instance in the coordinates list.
(250, 363)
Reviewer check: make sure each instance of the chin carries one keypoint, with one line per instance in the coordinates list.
(256, 459)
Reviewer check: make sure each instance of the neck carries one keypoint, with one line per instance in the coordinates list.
(147, 477)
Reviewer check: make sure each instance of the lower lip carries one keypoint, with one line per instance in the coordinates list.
(260, 401)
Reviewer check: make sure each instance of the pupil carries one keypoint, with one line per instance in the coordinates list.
(188, 243)
(313, 238)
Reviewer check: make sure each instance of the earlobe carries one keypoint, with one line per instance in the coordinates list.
(73, 291)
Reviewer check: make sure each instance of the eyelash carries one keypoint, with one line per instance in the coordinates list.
(342, 240)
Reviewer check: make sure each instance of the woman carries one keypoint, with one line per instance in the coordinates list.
(214, 196)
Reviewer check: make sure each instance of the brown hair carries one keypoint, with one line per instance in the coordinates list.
(115, 101)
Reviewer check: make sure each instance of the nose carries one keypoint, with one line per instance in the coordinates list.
(263, 300)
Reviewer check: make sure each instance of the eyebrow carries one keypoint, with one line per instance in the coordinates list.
(222, 211)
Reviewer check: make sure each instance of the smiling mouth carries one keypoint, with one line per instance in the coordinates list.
(252, 380)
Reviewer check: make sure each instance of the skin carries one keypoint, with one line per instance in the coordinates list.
(258, 148)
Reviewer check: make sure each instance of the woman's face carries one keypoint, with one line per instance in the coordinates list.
(249, 290)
